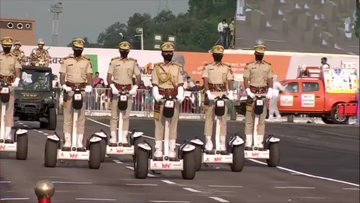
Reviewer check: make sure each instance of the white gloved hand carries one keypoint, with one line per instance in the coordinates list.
(88, 89)
(114, 90)
(66, 88)
(133, 90)
(180, 95)
(230, 95)
(269, 94)
(209, 95)
(16, 82)
(249, 93)
(155, 93)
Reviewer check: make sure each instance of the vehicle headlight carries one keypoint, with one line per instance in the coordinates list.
(48, 99)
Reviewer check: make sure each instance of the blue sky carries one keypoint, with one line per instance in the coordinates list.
(81, 18)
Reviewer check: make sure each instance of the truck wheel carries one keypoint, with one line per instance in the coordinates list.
(198, 157)
(50, 155)
(95, 155)
(274, 158)
(52, 119)
(335, 118)
(103, 149)
(326, 120)
(141, 163)
(189, 167)
(22, 146)
(238, 161)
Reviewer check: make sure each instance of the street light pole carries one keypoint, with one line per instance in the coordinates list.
(56, 9)
(140, 32)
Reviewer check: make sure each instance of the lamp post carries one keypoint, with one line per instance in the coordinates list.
(140, 34)
(56, 9)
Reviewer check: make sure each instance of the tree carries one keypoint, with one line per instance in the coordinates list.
(112, 36)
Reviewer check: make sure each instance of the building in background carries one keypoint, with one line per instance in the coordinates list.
(23, 30)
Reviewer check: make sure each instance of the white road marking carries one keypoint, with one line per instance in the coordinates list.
(132, 168)
(14, 198)
(262, 163)
(169, 201)
(307, 175)
(168, 182)
(72, 183)
(226, 186)
(117, 161)
(190, 189)
(351, 188)
(294, 187)
(5, 181)
(94, 199)
(141, 184)
(219, 199)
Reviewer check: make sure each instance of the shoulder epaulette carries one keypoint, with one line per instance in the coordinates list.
(115, 58)
(267, 62)
(86, 58)
(251, 62)
(68, 57)
(177, 64)
(158, 64)
(228, 65)
(132, 59)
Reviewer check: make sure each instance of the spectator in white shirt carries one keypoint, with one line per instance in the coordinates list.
(221, 26)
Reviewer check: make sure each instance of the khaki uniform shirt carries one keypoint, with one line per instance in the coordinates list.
(167, 76)
(40, 57)
(76, 69)
(20, 55)
(8, 64)
(218, 74)
(123, 70)
(258, 73)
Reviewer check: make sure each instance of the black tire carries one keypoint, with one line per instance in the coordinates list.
(189, 170)
(52, 119)
(103, 149)
(43, 125)
(141, 163)
(335, 117)
(198, 152)
(95, 155)
(22, 146)
(326, 120)
(238, 160)
(274, 158)
(51, 149)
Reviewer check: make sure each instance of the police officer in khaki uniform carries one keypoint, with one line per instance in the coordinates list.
(75, 72)
(120, 74)
(167, 81)
(10, 71)
(20, 55)
(218, 81)
(258, 79)
(40, 56)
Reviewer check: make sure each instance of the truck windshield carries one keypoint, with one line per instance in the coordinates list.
(35, 80)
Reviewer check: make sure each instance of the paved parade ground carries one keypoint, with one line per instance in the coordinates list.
(319, 163)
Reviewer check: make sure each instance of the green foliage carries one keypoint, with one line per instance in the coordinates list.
(195, 30)
(357, 23)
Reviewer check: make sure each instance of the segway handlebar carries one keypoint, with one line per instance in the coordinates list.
(223, 97)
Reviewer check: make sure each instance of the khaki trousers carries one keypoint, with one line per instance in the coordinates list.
(114, 120)
(9, 112)
(160, 124)
(250, 116)
(68, 115)
(210, 119)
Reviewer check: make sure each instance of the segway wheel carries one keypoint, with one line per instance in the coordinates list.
(198, 157)
(95, 155)
(189, 168)
(274, 158)
(51, 125)
(103, 149)
(50, 154)
(141, 164)
(238, 160)
(22, 147)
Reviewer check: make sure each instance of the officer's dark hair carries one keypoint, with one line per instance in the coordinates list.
(324, 58)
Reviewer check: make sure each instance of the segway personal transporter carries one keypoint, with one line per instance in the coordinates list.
(119, 148)
(233, 155)
(271, 150)
(20, 142)
(144, 159)
(54, 149)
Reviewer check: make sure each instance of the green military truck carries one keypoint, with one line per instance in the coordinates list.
(35, 98)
